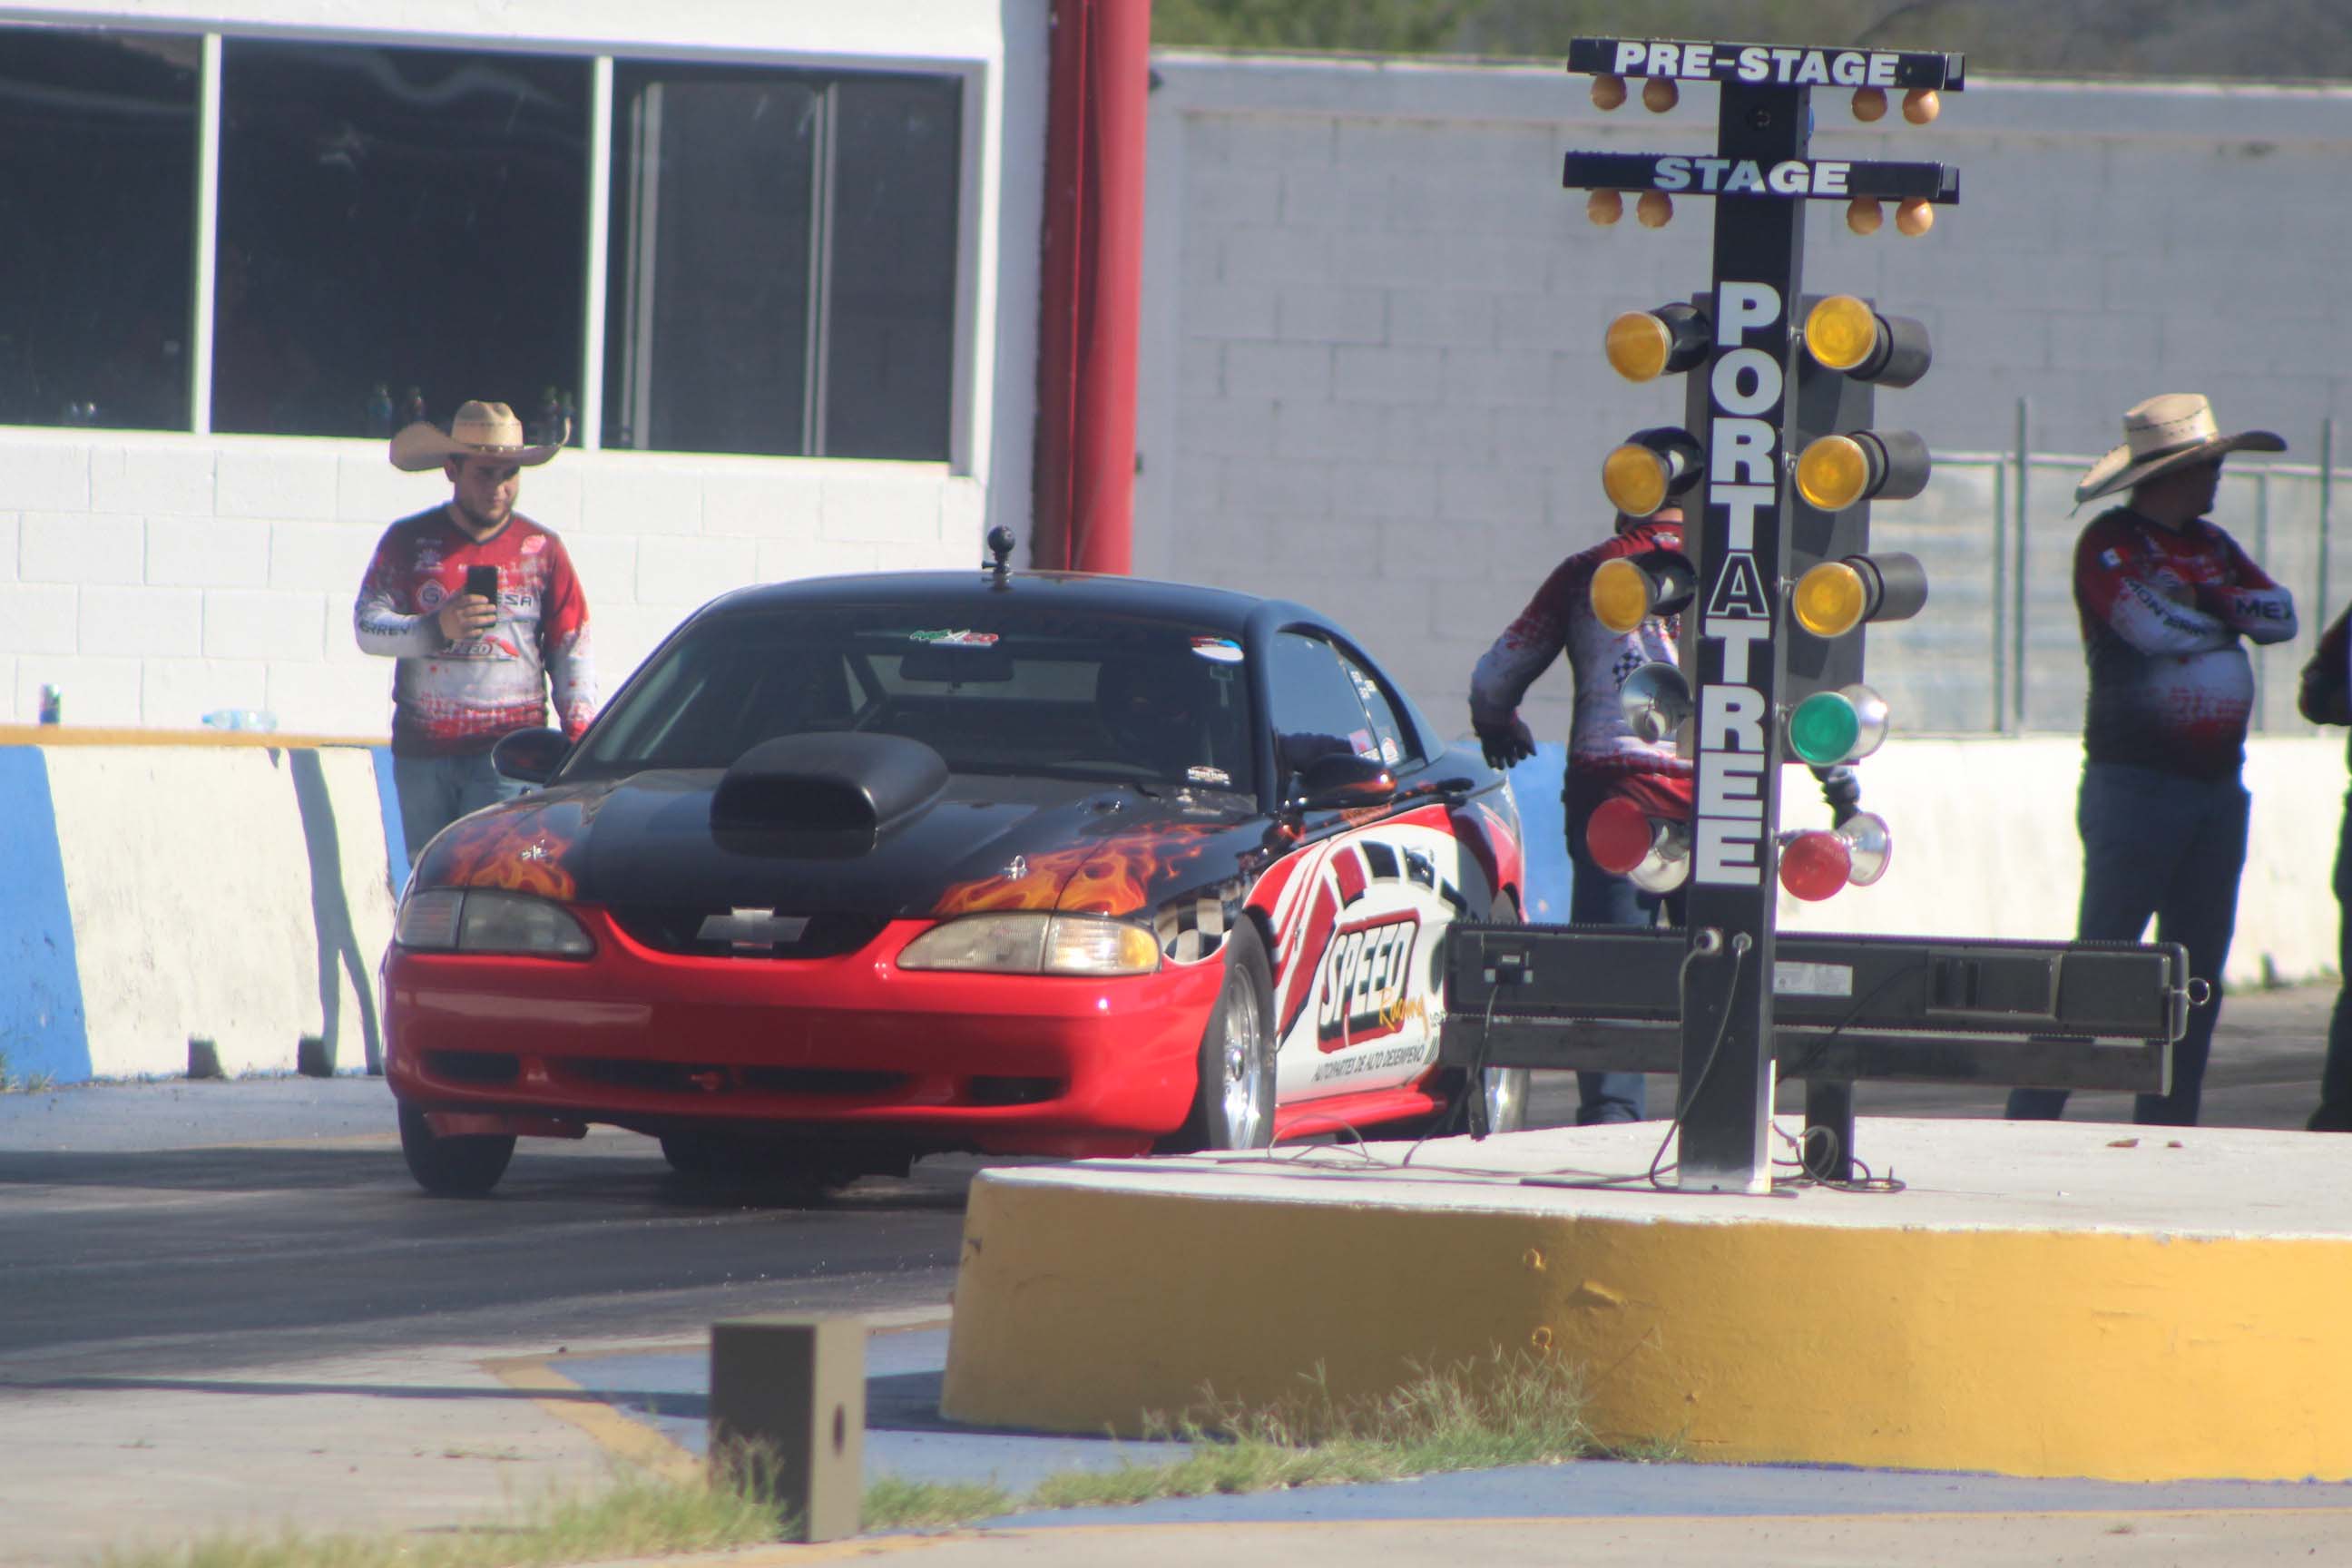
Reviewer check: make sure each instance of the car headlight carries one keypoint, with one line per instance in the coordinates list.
(484, 920)
(1031, 943)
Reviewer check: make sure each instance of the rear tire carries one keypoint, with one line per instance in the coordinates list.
(1500, 1105)
(1233, 1108)
(452, 1167)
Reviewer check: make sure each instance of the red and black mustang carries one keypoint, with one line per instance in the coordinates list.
(862, 869)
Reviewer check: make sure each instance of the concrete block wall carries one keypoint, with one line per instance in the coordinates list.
(157, 577)
(1372, 377)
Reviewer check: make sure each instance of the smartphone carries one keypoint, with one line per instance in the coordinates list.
(483, 580)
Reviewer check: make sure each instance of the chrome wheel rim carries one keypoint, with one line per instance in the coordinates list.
(1505, 1092)
(1244, 1086)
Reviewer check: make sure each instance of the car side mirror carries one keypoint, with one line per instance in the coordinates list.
(530, 757)
(1341, 781)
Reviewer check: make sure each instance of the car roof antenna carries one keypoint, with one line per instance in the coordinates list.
(1000, 546)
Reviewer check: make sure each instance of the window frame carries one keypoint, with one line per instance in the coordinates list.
(974, 96)
(1413, 735)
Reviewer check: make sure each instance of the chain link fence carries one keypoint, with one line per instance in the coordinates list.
(1998, 648)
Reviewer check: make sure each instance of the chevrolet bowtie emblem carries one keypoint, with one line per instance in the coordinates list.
(753, 931)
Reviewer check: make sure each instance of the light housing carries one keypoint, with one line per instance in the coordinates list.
(1656, 700)
(1629, 589)
(1834, 472)
(1643, 345)
(1842, 726)
(489, 920)
(1815, 863)
(1650, 468)
(1653, 853)
(1029, 941)
(1844, 333)
(1835, 596)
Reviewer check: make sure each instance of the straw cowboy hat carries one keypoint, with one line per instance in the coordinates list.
(2170, 430)
(478, 430)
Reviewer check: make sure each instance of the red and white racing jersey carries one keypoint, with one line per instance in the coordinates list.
(1560, 619)
(456, 699)
(2163, 611)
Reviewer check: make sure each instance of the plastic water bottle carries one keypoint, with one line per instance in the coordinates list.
(53, 704)
(241, 718)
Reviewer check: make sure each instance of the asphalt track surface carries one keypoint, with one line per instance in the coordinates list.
(239, 1281)
(171, 1228)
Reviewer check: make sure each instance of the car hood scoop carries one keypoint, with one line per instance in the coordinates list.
(822, 796)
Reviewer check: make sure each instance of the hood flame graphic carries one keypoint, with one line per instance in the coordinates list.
(522, 850)
(1113, 877)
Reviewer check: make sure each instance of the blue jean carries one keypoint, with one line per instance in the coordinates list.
(436, 791)
(2334, 1112)
(1597, 899)
(2157, 844)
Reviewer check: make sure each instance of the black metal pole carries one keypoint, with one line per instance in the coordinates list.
(1725, 1090)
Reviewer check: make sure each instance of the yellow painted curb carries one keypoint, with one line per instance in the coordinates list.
(2026, 1351)
(631, 1441)
(81, 735)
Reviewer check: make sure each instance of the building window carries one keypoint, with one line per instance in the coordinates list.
(97, 160)
(397, 228)
(783, 261)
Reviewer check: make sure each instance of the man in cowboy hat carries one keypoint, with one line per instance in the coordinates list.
(473, 666)
(2168, 603)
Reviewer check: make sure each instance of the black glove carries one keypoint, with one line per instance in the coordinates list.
(1506, 743)
(1843, 789)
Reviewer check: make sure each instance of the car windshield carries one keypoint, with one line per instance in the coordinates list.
(998, 688)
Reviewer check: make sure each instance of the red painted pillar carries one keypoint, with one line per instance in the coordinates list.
(1092, 285)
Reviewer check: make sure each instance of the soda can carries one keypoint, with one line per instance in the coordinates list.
(53, 705)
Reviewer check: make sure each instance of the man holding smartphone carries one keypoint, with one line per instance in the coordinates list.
(482, 609)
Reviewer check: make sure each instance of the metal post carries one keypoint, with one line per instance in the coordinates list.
(200, 316)
(1828, 1149)
(1726, 1088)
(2001, 725)
(788, 1418)
(591, 434)
(2021, 716)
(2262, 554)
(2326, 513)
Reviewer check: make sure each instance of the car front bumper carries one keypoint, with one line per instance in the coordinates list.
(849, 1046)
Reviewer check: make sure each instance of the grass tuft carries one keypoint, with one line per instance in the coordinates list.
(1513, 1409)
(1517, 1409)
(639, 1515)
(894, 1502)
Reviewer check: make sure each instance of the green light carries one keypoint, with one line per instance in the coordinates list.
(1824, 728)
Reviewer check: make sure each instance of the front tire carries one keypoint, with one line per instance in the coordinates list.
(1233, 1106)
(452, 1167)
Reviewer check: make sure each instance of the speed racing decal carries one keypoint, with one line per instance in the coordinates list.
(1364, 984)
(1311, 908)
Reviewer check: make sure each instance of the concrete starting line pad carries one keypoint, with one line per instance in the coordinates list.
(2039, 1298)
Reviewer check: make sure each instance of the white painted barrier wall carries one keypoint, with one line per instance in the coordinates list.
(239, 894)
(242, 894)
(1986, 845)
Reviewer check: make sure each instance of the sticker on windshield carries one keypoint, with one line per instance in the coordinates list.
(1389, 750)
(956, 639)
(1221, 650)
(1206, 775)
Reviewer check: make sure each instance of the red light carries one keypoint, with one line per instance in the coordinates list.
(1815, 865)
(1618, 836)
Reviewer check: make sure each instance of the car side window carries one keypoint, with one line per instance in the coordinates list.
(1317, 705)
(1397, 745)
